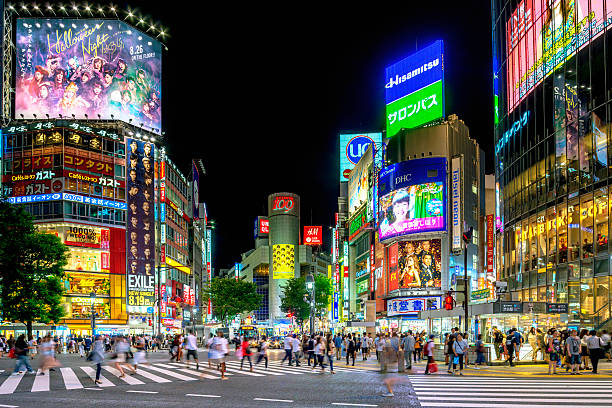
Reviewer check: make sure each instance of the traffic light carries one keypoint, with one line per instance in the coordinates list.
(448, 302)
(150, 323)
(467, 235)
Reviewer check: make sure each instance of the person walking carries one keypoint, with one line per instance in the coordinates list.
(408, 346)
(459, 350)
(498, 340)
(338, 346)
(288, 346)
(350, 349)
(191, 344)
(21, 353)
(319, 352)
(554, 348)
(595, 349)
(480, 352)
(605, 342)
(450, 351)
(32, 347)
(428, 352)
(395, 350)
(572, 345)
(296, 350)
(584, 349)
(97, 356)
(246, 352)
(122, 348)
(263, 351)
(310, 344)
(365, 346)
(47, 355)
(330, 349)
(219, 349)
(532, 339)
(509, 347)
(417, 348)
(140, 356)
(519, 343)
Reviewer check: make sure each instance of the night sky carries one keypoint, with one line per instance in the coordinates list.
(262, 97)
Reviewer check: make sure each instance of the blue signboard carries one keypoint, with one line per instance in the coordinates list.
(352, 147)
(336, 300)
(68, 197)
(412, 197)
(413, 305)
(415, 72)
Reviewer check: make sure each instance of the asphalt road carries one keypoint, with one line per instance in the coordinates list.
(279, 386)
(165, 384)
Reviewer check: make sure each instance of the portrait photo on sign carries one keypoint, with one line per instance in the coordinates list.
(419, 264)
(412, 209)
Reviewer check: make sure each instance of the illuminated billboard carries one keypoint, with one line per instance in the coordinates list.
(414, 89)
(359, 182)
(352, 147)
(140, 240)
(419, 265)
(99, 69)
(313, 235)
(542, 35)
(412, 198)
(283, 261)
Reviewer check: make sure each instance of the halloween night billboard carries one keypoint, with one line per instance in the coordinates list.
(99, 69)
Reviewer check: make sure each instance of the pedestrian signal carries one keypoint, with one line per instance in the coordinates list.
(448, 302)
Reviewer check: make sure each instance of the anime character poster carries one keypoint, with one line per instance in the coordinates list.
(419, 264)
(96, 69)
(141, 223)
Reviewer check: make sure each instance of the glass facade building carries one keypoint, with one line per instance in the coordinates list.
(552, 62)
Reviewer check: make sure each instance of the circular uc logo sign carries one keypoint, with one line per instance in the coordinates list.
(356, 147)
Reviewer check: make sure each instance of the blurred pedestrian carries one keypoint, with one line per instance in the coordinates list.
(263, 350)
(246, 352)
(219, 349)
(97, 356)
(21, 353)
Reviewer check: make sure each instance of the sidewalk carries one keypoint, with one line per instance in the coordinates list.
(526, 369)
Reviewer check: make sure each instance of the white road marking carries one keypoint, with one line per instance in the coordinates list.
(71, 381)
(9, 406)
(143, 392)
(201, 374)
(127, 378)
(172, 374)
(152, 376)
(271, 400)
(10, 384)
(92, 374)
(354, 405)
(203, 395)
(41, 382)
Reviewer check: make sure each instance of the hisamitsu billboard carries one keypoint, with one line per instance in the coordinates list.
(414, 89)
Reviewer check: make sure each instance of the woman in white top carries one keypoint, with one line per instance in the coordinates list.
(218, 350)
(263, 351)
(319, 350)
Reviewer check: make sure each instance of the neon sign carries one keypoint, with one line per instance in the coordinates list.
(67, 197)
(514, 129)
(283, 203)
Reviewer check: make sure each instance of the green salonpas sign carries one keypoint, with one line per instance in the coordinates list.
(415, 109)
(481, 294)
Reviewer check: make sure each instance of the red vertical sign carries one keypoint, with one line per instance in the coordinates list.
(372, 268)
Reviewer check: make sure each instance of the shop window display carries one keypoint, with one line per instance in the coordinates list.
(602, 306)
(586, 225)
(587, 302)
(601, 221)
(573, 226)
(85, 284)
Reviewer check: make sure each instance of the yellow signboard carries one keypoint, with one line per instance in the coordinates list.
(179, 266)
(283, 261)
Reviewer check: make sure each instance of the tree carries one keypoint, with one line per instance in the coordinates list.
(294, 293)
(32, 264)
(230, 297)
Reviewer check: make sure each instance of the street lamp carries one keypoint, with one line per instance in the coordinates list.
(310, 287)
(92, 296)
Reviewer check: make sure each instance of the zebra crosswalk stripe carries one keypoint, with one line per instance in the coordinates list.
(259, 370)
(41, 382)
(71, 381)
(480, 392)
(151, 376)
(200, 374)
(10, 384)
(245, 372)
(171, 373)
(128, 379)
(92, 374)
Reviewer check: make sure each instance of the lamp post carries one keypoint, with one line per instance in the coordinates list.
(92, 296)
(310, 287)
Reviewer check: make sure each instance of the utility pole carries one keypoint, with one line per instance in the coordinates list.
(467, 237)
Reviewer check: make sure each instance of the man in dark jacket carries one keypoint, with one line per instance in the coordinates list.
(21, 351)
